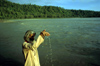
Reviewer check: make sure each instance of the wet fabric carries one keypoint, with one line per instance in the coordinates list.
(31, 53)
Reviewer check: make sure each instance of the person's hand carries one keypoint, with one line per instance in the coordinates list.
(45, 33)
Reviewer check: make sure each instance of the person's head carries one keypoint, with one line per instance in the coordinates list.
(29, 35)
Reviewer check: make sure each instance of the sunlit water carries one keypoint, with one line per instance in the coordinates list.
(73, 41)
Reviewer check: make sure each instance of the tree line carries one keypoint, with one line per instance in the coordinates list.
(9, 10)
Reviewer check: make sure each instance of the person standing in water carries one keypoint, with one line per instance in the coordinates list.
(30, 47)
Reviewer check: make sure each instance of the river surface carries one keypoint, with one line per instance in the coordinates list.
(73, 41)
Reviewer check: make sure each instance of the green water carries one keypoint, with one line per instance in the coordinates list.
(73, 41)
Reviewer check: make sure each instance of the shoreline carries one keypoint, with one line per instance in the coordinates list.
(13, 20)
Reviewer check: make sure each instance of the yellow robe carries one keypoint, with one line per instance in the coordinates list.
(31, 53)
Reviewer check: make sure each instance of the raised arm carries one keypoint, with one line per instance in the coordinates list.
(41, 38)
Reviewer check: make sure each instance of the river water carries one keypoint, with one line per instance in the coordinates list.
(73, 41)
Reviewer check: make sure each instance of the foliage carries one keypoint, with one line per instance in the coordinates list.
(10, 10)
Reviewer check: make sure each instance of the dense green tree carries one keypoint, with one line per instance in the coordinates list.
(9, 10)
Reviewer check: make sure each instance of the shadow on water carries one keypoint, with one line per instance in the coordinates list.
(96, 60)
(9, 62)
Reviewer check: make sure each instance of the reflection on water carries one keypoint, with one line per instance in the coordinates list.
(73, 41)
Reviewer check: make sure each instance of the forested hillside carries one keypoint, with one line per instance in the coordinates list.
(9, 10)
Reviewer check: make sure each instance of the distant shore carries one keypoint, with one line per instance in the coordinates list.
(1, 20)
(5, 20)
(18, 20)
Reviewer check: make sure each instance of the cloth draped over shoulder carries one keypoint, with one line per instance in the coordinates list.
(31, 53)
